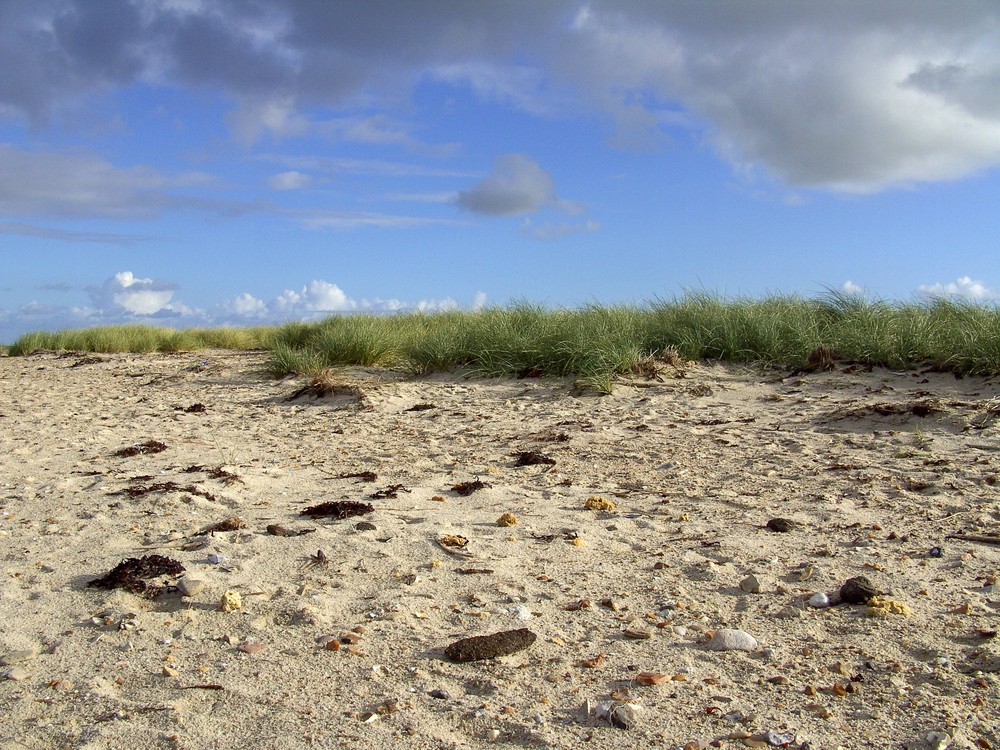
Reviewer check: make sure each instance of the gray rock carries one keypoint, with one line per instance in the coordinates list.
(732, 639)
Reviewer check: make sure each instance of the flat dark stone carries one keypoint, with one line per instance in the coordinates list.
(781, 525)
(858, 590)
(490, 646)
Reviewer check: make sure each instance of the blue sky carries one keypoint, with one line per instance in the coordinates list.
(212, 162)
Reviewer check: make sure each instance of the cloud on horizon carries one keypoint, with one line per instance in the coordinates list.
(125, 298)
(963, 288)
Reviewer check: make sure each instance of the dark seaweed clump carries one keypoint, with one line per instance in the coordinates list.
(129, 574)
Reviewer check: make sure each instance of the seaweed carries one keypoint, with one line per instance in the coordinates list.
(130, 573)
(391, 491)
(421, 407)
(139, 490)
(216, 472)
(339, 509)
(532, 458)
(364, 476)
(230, 524)
(141, 449)
(278, 530)
(467, 488)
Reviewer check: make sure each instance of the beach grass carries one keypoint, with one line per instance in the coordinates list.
(595, 343)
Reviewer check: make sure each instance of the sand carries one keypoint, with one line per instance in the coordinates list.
(874, 468)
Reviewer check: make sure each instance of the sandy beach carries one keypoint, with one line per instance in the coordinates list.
(665, 546)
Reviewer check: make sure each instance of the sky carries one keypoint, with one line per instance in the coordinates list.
(224, 162)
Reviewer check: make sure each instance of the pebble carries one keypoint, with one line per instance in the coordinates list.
(731, 639)
(216, 559)
(521, 612)
(819, 600)
(443, 695)
(191, 585)
(789, 613)
(858, 590)
(364, 526)
(750, 584)
(620, 715)
(938, 740)
(16, 657)
(781, 525)
(637, 634)
(17, 674)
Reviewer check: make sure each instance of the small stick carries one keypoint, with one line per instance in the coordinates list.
(200, 687)
(995, 540)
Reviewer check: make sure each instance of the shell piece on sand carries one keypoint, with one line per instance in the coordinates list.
(731, 639)
(490, 646)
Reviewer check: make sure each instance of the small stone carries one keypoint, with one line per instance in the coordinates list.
(637, 634)
(191, 585)
(620, 715)
(507, 519)
(231, 601)
(819, 600)
(731, 639)
(443, 695)
(522, 612)
(169, 671)
(250, 647)
(490, 646)
(368, 717)
(750, 584)
(781, 525)
(858, 590)
(16, 657)
(17, 674)
(939, 740)
(789, 613)
(216, 559)
(364, 526)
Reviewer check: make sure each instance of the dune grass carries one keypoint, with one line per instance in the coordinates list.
(595, 343)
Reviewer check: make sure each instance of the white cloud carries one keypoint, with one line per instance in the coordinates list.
(852, 289)
(963, 288)
(243, 306)
(289, 181)
(123, 292)
(316, 296)
(479, 300)
(517, 185)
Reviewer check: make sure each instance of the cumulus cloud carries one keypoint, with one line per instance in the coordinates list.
(517, 185)
(124, 292)
(320, 298)
(963, 288)
(852, 289)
